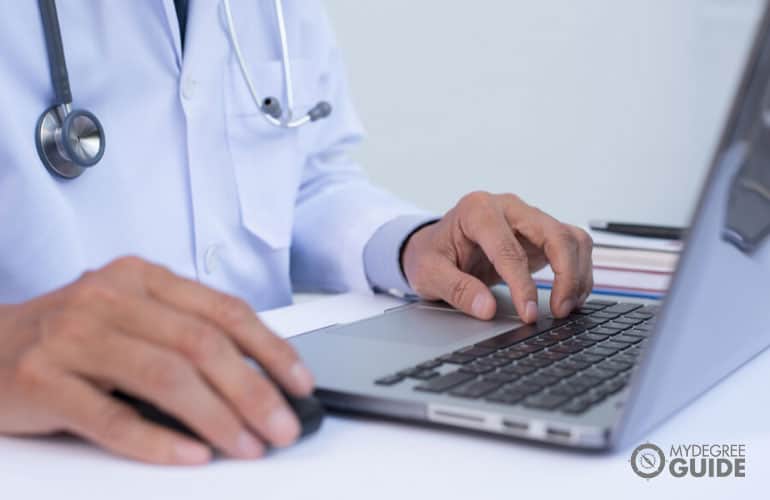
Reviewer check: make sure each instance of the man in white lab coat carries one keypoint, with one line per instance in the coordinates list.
(143, 273)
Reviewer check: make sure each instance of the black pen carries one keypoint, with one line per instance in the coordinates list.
(644, 230)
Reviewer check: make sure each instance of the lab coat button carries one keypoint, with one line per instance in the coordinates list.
(188, 88)
(211, 259)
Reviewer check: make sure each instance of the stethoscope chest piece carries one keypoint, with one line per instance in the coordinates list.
(68, 142)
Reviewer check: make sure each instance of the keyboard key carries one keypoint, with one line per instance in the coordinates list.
(560, 334)
(544, 379)
(476, 389)
(651, 309)
(642, 316)
(567, 348)
(511, 354)
(545, 401)
(586, 380)
(625, 357)
(603, 303)
(627, 321)
(424, 375)
(603, 330)
(611, 344)
(542, 341)
(614, 325)
(594, 336)
(582, 342)
(524, 386)
(445, 382)
(536, 362)
(506, 397)
(502, 377)
(604, 315)
(586, 357)
(574, 364)
(519, 369)
(389, 380)
(558, 371)
(527, 348)
(477, 368)
(430, 365)
(598, 350)
(617, 365)
(551, 355)
(627, 339)
(495, 361)
(622, 308)
(576, 406)
(591, 322)
(596, 375)
(457, 359)
(568, 390)
(475, 351)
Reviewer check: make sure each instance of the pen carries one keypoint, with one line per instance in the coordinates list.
(644, 230)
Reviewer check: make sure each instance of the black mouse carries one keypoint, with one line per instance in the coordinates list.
(309, 412)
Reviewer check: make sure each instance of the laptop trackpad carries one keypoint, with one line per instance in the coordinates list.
(425, 326)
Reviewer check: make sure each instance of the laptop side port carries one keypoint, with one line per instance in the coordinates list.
(558, 434)
(515, 426)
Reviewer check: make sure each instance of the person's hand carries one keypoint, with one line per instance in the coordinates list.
(136, 327)
(490, 238)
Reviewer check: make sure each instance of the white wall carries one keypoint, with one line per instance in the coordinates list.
(588, 109)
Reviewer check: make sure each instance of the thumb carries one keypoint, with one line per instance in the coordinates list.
(461, 290)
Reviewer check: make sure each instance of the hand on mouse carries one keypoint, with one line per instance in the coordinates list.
(489, 238)
(136, 327)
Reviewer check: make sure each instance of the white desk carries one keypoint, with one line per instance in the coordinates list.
(366, 458)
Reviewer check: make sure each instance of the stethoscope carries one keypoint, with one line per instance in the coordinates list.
(69, 141)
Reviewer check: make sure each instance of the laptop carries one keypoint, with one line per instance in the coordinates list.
(604, 376)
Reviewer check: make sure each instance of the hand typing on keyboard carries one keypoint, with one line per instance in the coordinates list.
(487, 239)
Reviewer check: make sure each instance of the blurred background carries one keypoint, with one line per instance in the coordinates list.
(590, 109)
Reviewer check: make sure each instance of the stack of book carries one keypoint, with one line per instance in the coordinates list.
(628, 265)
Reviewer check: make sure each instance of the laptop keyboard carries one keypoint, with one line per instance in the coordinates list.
(566, 365)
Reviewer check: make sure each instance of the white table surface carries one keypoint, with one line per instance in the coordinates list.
(365, 458)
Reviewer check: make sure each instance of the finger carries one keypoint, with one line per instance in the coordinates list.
(461, 290)
(491, 231)
(238, 321)
(215, 355)
(161, 378)
(585, 263)
(559, 246)
(89, 413)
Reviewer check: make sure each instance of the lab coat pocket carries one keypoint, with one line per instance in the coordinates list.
(267, 160)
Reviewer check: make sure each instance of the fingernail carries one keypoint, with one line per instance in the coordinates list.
(530, 311)
(283, 427)
(567, 306)
(482, 306)
(302, 377)
(249, 446)
(191, 453)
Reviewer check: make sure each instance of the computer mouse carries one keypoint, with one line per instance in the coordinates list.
(309, 412)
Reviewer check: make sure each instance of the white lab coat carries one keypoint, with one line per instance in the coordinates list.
(192, 178)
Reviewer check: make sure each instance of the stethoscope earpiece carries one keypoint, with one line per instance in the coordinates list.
(270, 106)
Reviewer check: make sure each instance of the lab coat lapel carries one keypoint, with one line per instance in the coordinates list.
(173, 29)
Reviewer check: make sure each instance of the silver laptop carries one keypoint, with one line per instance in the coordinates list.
(604, 376)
